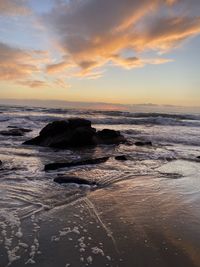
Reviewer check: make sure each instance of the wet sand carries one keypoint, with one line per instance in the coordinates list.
(143, 221)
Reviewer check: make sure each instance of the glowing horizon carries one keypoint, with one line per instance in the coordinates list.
(127, 52)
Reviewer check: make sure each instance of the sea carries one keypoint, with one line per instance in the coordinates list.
(43, 223)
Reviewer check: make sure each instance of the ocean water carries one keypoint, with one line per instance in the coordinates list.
(30, 199)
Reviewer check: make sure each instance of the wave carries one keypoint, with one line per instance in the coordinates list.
(147, 121)
(45, 115)
(117, 120)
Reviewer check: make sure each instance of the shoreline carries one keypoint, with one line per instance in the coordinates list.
(137, 222)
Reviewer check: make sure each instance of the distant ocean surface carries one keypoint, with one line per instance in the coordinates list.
(26, 191)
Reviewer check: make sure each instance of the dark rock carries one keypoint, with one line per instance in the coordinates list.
(1, 164)
(198, 157)
(24, 130)
(60, 127)
(121, 157)
(54, 128)
(107, 133)
(12, 132)
(64, 134)
(78, 122)
(83, 136)
(58, 165)
(107, 136)
(15, 131)
(143, 143)
(36, 141)
(74, 133)
(13, 127)
(72, 179)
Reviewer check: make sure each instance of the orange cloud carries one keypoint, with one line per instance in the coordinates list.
(33, 83)
(134, 62)
(17, 64)
(58, 67)
(92, 32)
(14, 7)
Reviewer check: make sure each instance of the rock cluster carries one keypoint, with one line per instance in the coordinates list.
(74, 132)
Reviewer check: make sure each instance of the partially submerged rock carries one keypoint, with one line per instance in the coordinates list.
(58, 165)
(74, 132)
(143, 143)
(121, 157)
(14, 131)
(74, 180)
(25, 130)
(1, 165)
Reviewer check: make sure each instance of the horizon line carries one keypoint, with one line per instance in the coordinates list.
(98, 102)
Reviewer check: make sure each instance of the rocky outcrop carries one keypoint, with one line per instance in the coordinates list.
(74, 132)
(58, 165)
(74, 180)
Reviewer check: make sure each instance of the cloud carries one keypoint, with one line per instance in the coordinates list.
(166, 33)
(59, 67)
(90, 32)
(44, 83)
(89, 75)
(87, 36)
(14, 7)
(135, 62)
(33, 83)
(17, 64)
(27, 68)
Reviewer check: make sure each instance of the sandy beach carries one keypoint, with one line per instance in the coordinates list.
(142, 221)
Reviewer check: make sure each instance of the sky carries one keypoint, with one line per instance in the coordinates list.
(114, 51)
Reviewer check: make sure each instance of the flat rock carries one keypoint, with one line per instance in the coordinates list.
(143, 143)
(74, 180)
(58, 165)
(14, 131)
(24, 130)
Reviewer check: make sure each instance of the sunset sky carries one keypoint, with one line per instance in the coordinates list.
(117, 51)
